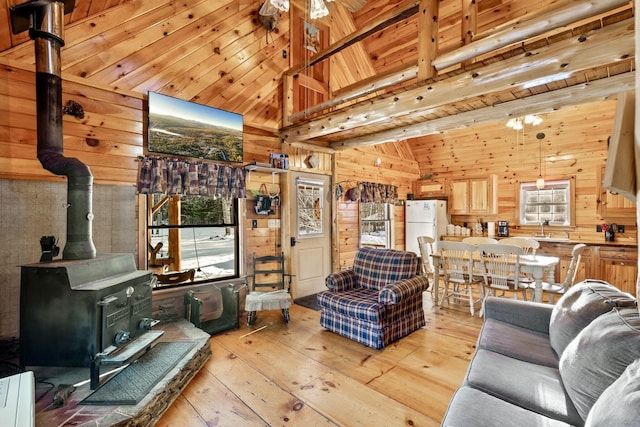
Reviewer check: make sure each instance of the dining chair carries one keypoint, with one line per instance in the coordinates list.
(501, 270)
(529, 246)
(479, 240)
(559, 289)
(456, 260)
(425, 244)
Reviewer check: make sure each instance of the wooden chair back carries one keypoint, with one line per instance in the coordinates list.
(268, 273)
(478, 240)
(456, 259)
(425, 243)
(529, 246)
(501, 266)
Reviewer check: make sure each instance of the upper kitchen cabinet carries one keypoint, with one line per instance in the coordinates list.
(612, 205)
(430, 189)
(473, 196)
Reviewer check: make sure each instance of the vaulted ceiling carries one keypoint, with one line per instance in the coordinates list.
(217, 53)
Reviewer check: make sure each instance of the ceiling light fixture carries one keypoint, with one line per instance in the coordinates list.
(282, 5)
(317, 8)
(517, 123)
(540, 181)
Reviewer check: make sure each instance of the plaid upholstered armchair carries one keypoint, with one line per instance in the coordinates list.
(376, 302)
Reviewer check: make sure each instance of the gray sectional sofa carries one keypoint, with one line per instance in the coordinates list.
(576, 363)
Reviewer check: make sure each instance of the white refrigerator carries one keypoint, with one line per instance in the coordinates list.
(425, 218)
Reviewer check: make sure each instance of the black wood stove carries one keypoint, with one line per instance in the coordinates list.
(85, 310)
(85, 313)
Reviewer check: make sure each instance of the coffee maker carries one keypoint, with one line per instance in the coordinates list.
(503, 228)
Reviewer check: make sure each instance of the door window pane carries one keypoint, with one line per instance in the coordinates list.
(310, 206)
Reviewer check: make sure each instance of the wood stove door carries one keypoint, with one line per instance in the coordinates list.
(141, 309)
(116, 315)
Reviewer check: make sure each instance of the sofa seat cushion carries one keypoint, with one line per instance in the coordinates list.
(533, 387)
(517, 342)
(599, 355)
(471, 407)
(579, 306)
(359, 303)
(619, 404)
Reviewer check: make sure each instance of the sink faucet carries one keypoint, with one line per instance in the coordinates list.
(542, 224)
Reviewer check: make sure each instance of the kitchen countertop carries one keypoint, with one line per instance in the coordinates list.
(618, 242)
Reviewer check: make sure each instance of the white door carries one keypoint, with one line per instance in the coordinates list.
(310, 232)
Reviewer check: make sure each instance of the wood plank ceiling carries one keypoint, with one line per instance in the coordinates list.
(217, 53)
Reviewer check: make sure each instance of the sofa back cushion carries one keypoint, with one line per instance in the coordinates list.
(619, 404)
(579, 306)
(599, 355)
(376, 267)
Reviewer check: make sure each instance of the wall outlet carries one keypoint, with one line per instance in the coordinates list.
(254, 223)
(599, 228)
(621, 229)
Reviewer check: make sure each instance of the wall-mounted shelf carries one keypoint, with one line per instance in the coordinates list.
(258, 168)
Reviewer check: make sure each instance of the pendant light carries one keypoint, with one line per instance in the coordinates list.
(540, 180)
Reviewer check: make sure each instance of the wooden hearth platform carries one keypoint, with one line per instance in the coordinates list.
(145, 413)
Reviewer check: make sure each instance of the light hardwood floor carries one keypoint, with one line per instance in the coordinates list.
(302, 375)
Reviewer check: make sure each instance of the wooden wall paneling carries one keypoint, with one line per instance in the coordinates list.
(354, 166)
(171, 49)
(348, 224)
(209, 56)
(574, 145)
(122, 40)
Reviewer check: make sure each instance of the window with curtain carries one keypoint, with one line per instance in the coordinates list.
(192, 211)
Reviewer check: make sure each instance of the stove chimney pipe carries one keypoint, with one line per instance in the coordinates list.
(46, 20)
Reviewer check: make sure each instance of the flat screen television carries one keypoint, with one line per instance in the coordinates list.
(185, 128)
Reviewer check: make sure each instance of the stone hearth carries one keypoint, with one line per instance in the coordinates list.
(150, 408)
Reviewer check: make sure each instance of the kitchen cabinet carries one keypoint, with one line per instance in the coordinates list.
(611, 205)
(473, 196)
(430, 189)
(615, 264)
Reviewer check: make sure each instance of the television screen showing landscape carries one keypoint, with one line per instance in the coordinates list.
(193, 130)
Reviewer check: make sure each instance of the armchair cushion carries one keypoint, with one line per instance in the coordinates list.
(356, 303)
(375, 267)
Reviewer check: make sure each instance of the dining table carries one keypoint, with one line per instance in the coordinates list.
(536, 265)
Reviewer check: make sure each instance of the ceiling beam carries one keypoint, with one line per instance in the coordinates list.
(597, 90)
(537, 67)
(516, 31)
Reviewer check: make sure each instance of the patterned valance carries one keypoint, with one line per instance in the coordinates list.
(371, 192)
(178, 176)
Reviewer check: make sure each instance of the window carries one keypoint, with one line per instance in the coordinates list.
(376, 225)
(553, 203)
(194, 232)
(310, 205)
